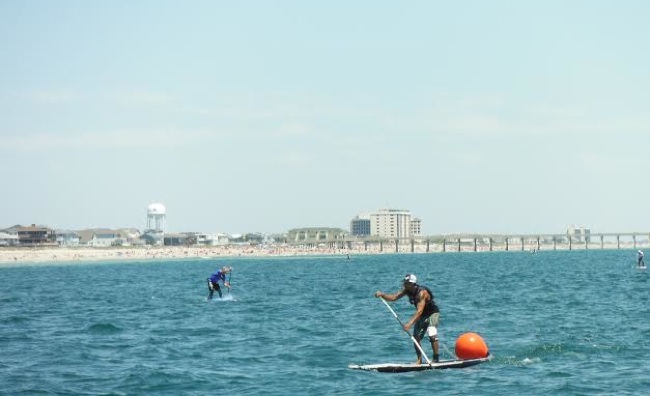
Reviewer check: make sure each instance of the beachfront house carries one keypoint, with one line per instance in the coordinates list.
(33, 235)
(7, 239)
(67, 238)
(101, 238)
(255, 238)
(130, 237)
(153, 238)
(221, 239)
(192, 238)
(175, 239)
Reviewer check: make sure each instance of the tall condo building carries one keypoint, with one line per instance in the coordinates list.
(391, 223)
(360, 225)
(416, 227)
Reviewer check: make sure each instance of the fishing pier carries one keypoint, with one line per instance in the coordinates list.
(484, 242)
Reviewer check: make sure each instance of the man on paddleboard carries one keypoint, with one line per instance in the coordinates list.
(639, 259)
(214, 279)
(426, 316)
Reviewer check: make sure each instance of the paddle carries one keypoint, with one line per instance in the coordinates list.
(229, 277)
(417, 344)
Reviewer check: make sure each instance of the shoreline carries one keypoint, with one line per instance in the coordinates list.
(15, 256)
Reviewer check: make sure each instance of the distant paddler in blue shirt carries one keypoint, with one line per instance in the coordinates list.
(639, 259)
(214, 279)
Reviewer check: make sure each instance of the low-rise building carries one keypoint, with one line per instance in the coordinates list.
(579, 233)
(67, 238)
(7, 239)
(101, 237)
(177, 239)
(316, 234)
(34, 235)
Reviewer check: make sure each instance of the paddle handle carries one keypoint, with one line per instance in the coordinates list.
(417, 344)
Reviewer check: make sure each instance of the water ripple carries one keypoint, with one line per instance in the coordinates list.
(561, 323)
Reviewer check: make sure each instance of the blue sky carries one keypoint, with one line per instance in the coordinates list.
(258, 116)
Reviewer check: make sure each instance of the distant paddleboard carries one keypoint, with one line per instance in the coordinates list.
(225, 298)
(406, 367)
(642, 267)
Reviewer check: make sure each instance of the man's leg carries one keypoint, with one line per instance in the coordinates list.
(434, 346)
(432, 332)
(219, 290)
(210, 291)
(417, 350)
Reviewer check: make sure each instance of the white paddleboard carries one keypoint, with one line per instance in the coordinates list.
(406, 367)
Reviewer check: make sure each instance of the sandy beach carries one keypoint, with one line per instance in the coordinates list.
(17, 256)
(34, 255)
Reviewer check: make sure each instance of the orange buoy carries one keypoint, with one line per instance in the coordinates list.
(471, 346)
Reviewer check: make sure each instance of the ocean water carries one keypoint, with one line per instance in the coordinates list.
(557, 323)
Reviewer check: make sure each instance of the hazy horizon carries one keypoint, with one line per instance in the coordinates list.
(483, 117)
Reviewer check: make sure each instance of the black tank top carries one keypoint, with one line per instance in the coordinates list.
(414, 298)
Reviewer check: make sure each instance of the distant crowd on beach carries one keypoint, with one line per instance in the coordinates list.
(61, 254)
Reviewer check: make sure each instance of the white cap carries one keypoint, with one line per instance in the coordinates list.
(410, 278)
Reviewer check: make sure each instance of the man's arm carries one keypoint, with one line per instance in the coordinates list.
(391, 297)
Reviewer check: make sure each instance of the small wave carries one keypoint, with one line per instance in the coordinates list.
(9, 299)
(529, 361)
(515, 361)
(15, 320)
(104, 328)
(225, 298)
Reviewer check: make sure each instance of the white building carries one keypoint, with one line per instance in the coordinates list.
(7, 239)
(67, 238)
(101, 237)
(580, 233)
(203, 239)
(416, 227)
(391, 223)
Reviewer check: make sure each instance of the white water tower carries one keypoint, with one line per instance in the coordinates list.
(156, 214)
